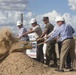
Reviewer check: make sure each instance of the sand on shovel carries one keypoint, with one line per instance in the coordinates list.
(6, 39)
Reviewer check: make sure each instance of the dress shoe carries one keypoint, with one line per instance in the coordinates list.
(59, 70)
(68, 67)
(71, 69)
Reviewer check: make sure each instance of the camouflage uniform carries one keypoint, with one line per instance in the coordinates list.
(50, 49)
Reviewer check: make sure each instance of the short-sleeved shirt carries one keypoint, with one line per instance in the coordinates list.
(21, 31)
(38, 30)
(49, 27)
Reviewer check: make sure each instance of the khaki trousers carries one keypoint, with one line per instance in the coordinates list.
(68, 46)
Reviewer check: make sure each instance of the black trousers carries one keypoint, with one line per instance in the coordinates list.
(59, 47)
(40, 54)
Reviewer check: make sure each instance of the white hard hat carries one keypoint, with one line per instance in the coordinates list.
(59, 18)
(33, 20)
(19, 23)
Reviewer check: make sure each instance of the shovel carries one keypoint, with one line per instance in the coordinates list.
(20, 46)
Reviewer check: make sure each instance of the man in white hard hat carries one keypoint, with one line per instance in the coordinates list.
(37, 29)
(68, 59)
(59, 41)
(65, 31)
(21, 31)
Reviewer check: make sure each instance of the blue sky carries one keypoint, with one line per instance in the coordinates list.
(44, 6)
(10, 11)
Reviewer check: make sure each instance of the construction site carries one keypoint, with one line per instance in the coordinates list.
(13, 60)
(37, 37)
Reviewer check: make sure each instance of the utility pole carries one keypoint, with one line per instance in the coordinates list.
(22, 18)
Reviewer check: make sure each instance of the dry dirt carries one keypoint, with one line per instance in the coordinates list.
(18, 63)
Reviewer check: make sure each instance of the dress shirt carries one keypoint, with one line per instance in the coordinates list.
(21, 31)
(64, 31)
(55, 27)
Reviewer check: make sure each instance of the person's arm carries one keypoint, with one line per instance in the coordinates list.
(20, 33)
(50, 34)
(54, 35)
(73, 31)
(32, 30)
(71, 28)
(28, 32)
(43, 34)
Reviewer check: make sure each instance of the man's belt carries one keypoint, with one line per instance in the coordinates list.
(68, 38)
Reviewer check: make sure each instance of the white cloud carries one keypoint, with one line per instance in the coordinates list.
(71, 19)
(16, 5)
(51, 15)
(10, 18)
(29, 15)
(72, 4)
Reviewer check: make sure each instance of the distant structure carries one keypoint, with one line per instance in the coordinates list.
(22, 18)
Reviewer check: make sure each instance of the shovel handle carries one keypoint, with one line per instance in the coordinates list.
(40, 43)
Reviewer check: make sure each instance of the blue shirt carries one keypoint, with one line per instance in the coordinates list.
(21, 31)
(64, 31)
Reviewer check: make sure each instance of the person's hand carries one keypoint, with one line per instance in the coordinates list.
(24, 34)
(20, 37)
(47, 36)
(45, 41)
(30, 28)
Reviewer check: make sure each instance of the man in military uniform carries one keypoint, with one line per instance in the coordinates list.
(50, 49)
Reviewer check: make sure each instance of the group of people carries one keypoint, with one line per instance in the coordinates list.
(62, 33)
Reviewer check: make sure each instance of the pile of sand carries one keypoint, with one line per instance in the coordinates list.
(18, 63)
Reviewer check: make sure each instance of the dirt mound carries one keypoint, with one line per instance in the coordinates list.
(17, 63)
(20, 64)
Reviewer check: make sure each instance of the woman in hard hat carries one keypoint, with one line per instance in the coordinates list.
(65, 31)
